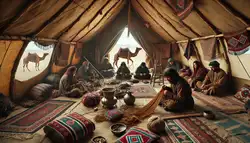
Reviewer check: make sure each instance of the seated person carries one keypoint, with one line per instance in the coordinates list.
(173, 64)
(84, 72)
(185, 72)
(142, 72)
(215, 80)
(68, 85)
(106, 68)
(179, 96)
(123, 72)
(199, 74)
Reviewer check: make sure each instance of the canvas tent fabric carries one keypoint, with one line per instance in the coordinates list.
(90, 21)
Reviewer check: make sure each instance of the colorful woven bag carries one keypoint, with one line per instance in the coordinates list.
(113, 115)
(70, 129)
(91, 99)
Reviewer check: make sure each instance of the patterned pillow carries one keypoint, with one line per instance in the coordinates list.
(137, 135)
(113, 115)
(243, 94)
(91, 99)
(72, 128)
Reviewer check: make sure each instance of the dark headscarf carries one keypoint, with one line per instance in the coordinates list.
(200, 70)
(70, 71)
(143, 64)
(214, 64)
(172, 73)
(123, 64)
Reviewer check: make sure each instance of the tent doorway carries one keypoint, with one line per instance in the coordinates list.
(130, 43)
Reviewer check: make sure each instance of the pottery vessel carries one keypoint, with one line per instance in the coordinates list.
(129, 99)
(109, 100)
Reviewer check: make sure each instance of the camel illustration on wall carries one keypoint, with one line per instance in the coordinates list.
(33, 57)
(125, 53)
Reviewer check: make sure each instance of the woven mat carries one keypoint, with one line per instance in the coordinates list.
(143, 90)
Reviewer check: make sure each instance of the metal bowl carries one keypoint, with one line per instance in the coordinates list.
(99, 139)
(118, 129)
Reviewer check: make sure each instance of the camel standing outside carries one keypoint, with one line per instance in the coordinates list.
(125, 53)
(33, 58)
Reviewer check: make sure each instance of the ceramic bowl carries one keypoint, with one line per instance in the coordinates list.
(118, 129)
(99, 139)
(209, 115)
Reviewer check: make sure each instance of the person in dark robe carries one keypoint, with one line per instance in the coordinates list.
(106, 69)
(178, 97)
(185, 72)
(199, 74)
(173, 64)
(68, 85)
(123, 72)
(215, 81)
(142, 72)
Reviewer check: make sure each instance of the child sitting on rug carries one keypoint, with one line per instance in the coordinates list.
(179, 96)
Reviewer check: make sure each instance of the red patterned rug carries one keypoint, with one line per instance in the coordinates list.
(143, 91)
(35, 118)
(189, 130)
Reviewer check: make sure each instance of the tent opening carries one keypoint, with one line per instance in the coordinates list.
(130, 43)
(35, 60)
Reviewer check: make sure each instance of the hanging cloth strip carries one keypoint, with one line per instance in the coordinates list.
(182, 8)
(237, 42)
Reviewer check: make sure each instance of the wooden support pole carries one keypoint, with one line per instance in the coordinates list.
(129, 17)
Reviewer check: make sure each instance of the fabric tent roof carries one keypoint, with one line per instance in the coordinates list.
(80, 20)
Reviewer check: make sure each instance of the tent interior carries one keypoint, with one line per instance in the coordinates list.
(68, 33)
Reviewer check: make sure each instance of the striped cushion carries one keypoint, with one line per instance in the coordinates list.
(137, 135)
(69, 129)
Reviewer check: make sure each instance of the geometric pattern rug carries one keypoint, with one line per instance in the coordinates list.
(235, 127)
(33, 119)
(189, 130)
(143, 90)
(225, 104)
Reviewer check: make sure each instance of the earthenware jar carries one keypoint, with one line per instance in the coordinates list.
(109, 100)
(129, 99)
(156, 125)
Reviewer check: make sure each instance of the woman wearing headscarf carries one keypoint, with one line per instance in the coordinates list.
(68, 85)
(179, 97)
(123, 72)
(83, 72)
(173, 64)
(142, 72)
(199, 74)
(106, 68)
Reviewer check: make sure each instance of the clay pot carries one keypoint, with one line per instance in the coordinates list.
(129, 99)
(156, 125)
(109, 100)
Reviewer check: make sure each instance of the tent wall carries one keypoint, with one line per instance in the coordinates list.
(9, 51)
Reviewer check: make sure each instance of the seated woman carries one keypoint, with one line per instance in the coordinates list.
(179, 97)
(68, 85)
(173, 64)
(199, 74)
(185, 72)
(106, 69)
(142, 72)
(215, 81)
(123, 72)
(83, 72)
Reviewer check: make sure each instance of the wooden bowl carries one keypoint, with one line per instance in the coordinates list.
(118, 129)
(209, 115)
(98, 139)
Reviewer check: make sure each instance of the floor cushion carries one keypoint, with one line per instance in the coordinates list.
(138, 135)
(70, 129)
(243, 94)
(91, 99)
(41, 92)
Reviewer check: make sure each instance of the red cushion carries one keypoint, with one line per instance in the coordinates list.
(243, 94)
(91, 99)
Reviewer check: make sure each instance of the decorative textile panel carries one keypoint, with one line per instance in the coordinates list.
(243, 94)
(182, 8)
(69, 129)
(237, 42)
